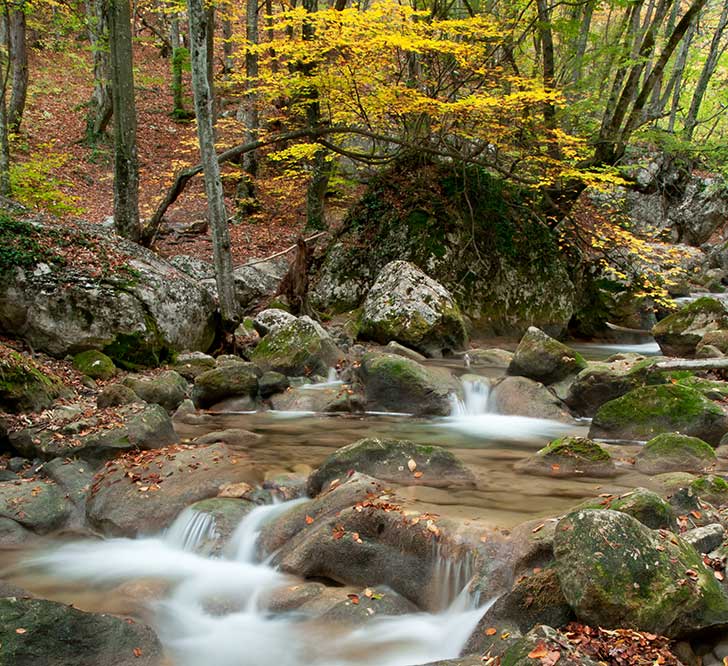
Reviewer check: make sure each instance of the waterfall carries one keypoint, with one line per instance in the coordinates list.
(476, 399)
(451, 576)
(332, 381)
(191, 531)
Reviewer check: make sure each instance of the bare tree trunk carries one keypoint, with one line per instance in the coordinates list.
(708, 68)
(100, 105)
(5, 189)
(217, 215)
(582, 40)
(676, 79)
(549, 68)
(126, 164)
(227, 44)
(19, 62)
(210, 49)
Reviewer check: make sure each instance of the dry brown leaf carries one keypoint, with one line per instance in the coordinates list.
(412, 465)
(539, 651)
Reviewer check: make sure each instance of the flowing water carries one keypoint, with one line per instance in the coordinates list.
(213, 609)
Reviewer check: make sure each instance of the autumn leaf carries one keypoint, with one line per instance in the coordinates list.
(354, 598)
(137, 652)
(309, 520)
(418, 475)
(491, 631)
(412, 465)
(539, 651)
(20, 630)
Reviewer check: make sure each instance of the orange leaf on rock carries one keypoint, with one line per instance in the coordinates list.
(309, 520)
(491, 631)
(539, 651)
(354, 598)
(137, 652)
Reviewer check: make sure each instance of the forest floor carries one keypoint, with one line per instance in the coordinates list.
(51, 142)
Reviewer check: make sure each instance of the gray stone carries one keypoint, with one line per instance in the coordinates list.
(167, 389)
(705, 539)
(272, 319)
(540, 357)
(525, 397)
(231, 380)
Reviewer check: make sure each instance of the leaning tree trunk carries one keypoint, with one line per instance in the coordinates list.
(126, 165)
(217, 214)
(19, 61)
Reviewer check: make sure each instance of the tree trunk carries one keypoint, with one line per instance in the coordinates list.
(19, 62)
(100, 105)
(217, 215)
(708, 68)
(5, 189)
(126, 165)
(582, 40)
(210, 57)
(227, 44)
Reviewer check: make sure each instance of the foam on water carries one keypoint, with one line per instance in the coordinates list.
(215, 611)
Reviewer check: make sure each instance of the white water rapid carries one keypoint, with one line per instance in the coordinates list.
(214, 611)
(332, 381)
(475, 415)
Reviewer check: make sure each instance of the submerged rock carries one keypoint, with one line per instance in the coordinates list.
(398, 384)
(569, 456)
(301, 347)
(37, 631)
(540, 357)
(393, 460)
(651, 410)
(615, 572)
(407, 306)
(680, 333)
(672, 452)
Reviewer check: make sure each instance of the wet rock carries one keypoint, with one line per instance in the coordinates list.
(393, 460)
(398, 384)
(167, 389)
(94, 364)
(12, 533)
(271, 383)
(187, 413)
(115, 395)
(543, 638)
(230, 380)
(301, 347)
(191, 364)
(680, 333)
(367, 604)
(692, 510)
(569, 456)
(644, 505)
(490, 358)
(615, 572)
(271, 320)
(143, 494)
(38, 505)
(525, 397)
(24, 387)
(54, 634)
(335, 399)
(234, 437)
(543, 359)
(226, 514)
(407, 306)
(705, 539)
(396, 348)
(674, 452)
(711, 488)
(147, 427)
(287, 486)
(72, 477)
(651, 410)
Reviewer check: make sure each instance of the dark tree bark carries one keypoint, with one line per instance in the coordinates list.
(294, 285)
(19, 62)
(100, 107)
(126, 164)
(217, 215)
(5, 189)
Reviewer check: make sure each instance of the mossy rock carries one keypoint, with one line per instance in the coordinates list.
(672, 452)
(115, 395)
(569, 456)
(301, 347)
(616, 572)
(167, 389)
(94, 364)
(648, 411)
(271, 383)
(680, 333)
(39, 506)
(191, 364)
(711, 488)
(644, 505)
(24, 387)
(398, 384)
(716, 339)
(394, 460)
(225, 513)
(671, 481)
(540, 357)
(550, 641)
(233, 380)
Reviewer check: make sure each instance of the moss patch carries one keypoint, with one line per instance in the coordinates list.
(95, 364)
(23, 385)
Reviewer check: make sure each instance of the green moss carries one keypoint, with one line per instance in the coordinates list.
(579, 448)
(683, 318)
(674, 444)
(711, 488)
(133, 351)
(21, 245)
(23, 385)
(94, 364)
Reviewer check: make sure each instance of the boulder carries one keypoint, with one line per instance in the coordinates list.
(672, 452)
(143, 493)
(705, 539)
(37, 505)
(37, 631)
(301, 347)
(271, 383)
(234, 437)
(711, 488)
(716, 341)
(398, 384)
(680, 333)
(651, 410)
(552, 645)
(116, 395)
(72, 477)
(24, 386)
(644, 505)
(569, 456)
(335, 399)
(191, 364)
(490, 358)
(407, 306)
(615, 572)
(139, 313)
(271, 319)
(358, 608)
(94, 364)
(396, 348)
(134, 427)
(393, 460)
(520, 396)
(167, 389)
(540, 357)
(226, 381)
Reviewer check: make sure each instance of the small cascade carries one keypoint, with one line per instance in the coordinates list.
(332, 381)
(191, 531)
(451, 575)
(476, 399)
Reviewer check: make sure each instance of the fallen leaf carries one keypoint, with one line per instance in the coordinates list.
(412, 465)
(719, 575)
(418, 475)
(491, 631)
(538, 528)
(555, 467)
(20, 630)
(696, 514)
(137, 652)
(354, 598)
(309, 520)
(539, 651)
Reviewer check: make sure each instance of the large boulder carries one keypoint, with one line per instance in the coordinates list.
(100, 437)
(672, 452)
(225, 381)
(407, 306)
(191, 364)
(167, 389)
(37, 505)
(540, 357)
(24, 386)
(615, 572)
(139, 312)
(651, 410)
(397, 384)
(520, 396)
(37, 631)
(394, 460)
(644, 505)
(680, 333)
(301, 347)
(503, 269)
(271, 319)
(143, 493)
(569, 456)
